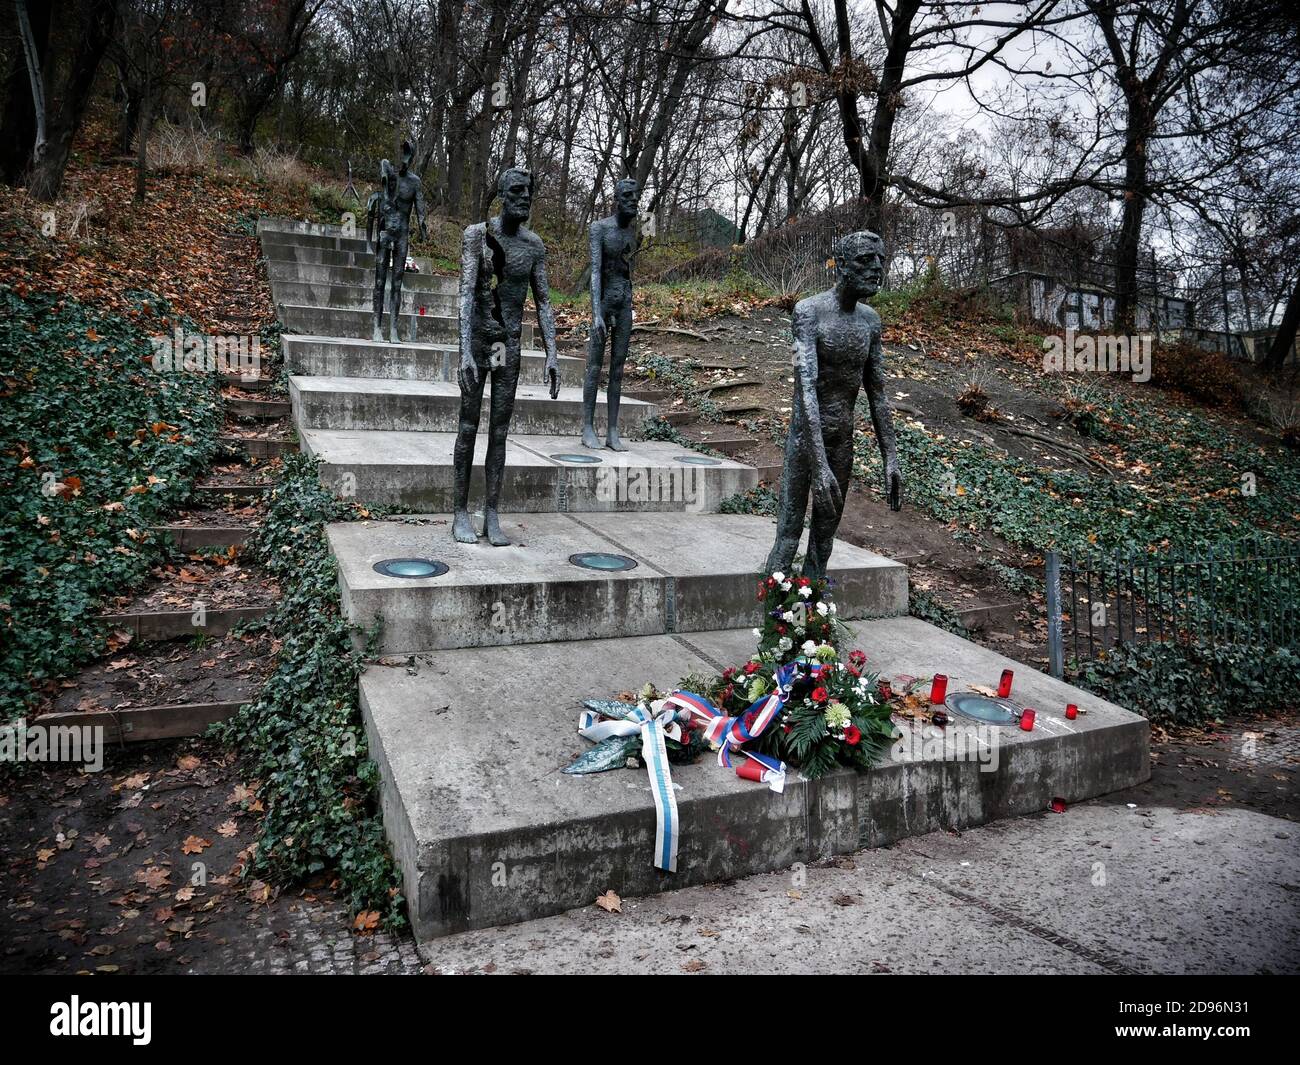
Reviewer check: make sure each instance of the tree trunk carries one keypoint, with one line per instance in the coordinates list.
(47, 173)
(1286, 331)
(18, 125)
(1128, 243)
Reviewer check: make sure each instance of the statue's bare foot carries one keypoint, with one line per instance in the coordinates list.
(492, 530)
(392, 333)
(589, 437)
(463, 529)
(378, 335)
(614, 442)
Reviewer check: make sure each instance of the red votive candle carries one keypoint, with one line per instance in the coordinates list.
(1004, 685)
(421, 310)
(1027, 716)
(886, 691)
(1071, 711)
(938, 689)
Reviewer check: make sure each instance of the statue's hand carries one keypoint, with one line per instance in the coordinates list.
(553, 378)
(468, 376)
(894, 486)
(827, 492)
(424, 232)
(598, 329)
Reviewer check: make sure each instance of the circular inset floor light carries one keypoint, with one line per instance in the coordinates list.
(586, 460)
(411, 567)
(982, 708)
(699, 460)
(602, 560)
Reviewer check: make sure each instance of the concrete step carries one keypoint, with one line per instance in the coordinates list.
(434, 407)
(275, 252)
(272, 225)
(334, 322)
(690, 574)
(328, 241)
(543, 473)
(486, 829)
(349, 357)
(361, 297)
(287, 270)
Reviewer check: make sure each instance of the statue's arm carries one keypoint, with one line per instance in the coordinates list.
(419, 208)
(545, 316)
(882, 417)
(471, 256)
(372, 211)
(595, 242)
(804, 328)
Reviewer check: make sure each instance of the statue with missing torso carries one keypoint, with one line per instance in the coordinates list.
(390, 209)
(613, 245)
(500, 260)
(836, 351)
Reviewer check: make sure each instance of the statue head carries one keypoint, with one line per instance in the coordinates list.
(515, 187)
(387, 178)
(408, 153)
(626, 194)
(859, 263)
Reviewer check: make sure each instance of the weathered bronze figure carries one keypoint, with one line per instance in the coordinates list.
(390, 208)
(836, 349)
(613, 245)
(499, 260)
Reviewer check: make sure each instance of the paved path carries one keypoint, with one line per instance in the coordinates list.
(1100, 888)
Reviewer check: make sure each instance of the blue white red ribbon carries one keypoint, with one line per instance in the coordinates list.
(654, 727)
(729, 733)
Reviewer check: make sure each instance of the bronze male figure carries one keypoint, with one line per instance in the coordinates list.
(836, 350)
(613, 245)
(500, 260)
(390, 207)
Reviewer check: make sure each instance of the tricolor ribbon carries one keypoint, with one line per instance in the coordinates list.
(729, 733)
(654, 725)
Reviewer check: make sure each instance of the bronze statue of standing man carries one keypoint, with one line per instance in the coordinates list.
(400, 191)
(500, 260)
(613, 245)
(836, 351)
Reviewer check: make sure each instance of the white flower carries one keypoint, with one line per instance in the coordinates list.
(833, 608)
(778, 577)
(784, 644)
(787, 616)
(785, 586)
(757, 633)
(821, 609)
(805, 591)
(809, 648)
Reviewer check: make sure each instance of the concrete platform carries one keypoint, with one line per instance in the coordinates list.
(361, 296)
(487, 830)
(692, 574)
(434, 406)
(352, 357)
(336, 322)
(414, 470)
(332, 241)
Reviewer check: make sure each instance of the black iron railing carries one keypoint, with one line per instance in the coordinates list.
(1245, 592)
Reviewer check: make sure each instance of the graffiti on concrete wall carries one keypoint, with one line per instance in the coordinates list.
(1086, 308)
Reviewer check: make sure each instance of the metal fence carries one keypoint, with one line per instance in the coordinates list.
(1245, 592)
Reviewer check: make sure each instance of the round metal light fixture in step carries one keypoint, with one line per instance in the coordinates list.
(586, 460)
(602, 560)
(982, 708)
(413, 568)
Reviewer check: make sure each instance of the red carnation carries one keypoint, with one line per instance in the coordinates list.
(727, 692)
(729, 672)
(852, 735)
(751, 667)
(762, 590)
(820, 695)
(857, 657)
(781, 629)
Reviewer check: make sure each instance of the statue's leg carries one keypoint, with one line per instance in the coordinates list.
(825, 523)
(505, 379)
(591, 384)
(381, 276)
(395, 287)
(795, 481)
(620, 337)
(471, 403)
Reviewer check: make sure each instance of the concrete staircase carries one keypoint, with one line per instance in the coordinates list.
(471, 712)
